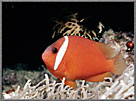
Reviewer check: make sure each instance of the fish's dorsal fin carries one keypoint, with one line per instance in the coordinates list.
(106, 49)
(61, 53)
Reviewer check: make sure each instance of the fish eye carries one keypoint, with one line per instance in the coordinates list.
(54, 50)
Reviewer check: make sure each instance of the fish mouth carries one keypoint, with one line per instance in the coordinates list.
(44, 58)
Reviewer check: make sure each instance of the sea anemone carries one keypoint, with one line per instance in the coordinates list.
(121, 88)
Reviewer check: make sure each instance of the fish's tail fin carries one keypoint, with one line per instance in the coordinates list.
(119, 64)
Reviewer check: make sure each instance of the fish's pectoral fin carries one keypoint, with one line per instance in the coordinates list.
(99, 77)
(71, 83)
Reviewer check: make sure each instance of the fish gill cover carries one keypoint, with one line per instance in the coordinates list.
(116, 87)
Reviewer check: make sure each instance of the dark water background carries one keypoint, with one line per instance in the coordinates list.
(27, 27)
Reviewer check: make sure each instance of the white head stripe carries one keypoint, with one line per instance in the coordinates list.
(61, 53)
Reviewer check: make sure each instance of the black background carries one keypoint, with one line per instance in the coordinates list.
(27, 27)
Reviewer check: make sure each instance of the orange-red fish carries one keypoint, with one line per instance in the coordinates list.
(78, 58)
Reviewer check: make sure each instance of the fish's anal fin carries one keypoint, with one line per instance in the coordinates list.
(71, 84)
(119, 64)
(106, 49)
(99, 77)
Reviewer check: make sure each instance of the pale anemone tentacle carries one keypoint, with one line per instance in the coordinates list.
(61, 52)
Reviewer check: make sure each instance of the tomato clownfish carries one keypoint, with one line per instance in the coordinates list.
(78, 58)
